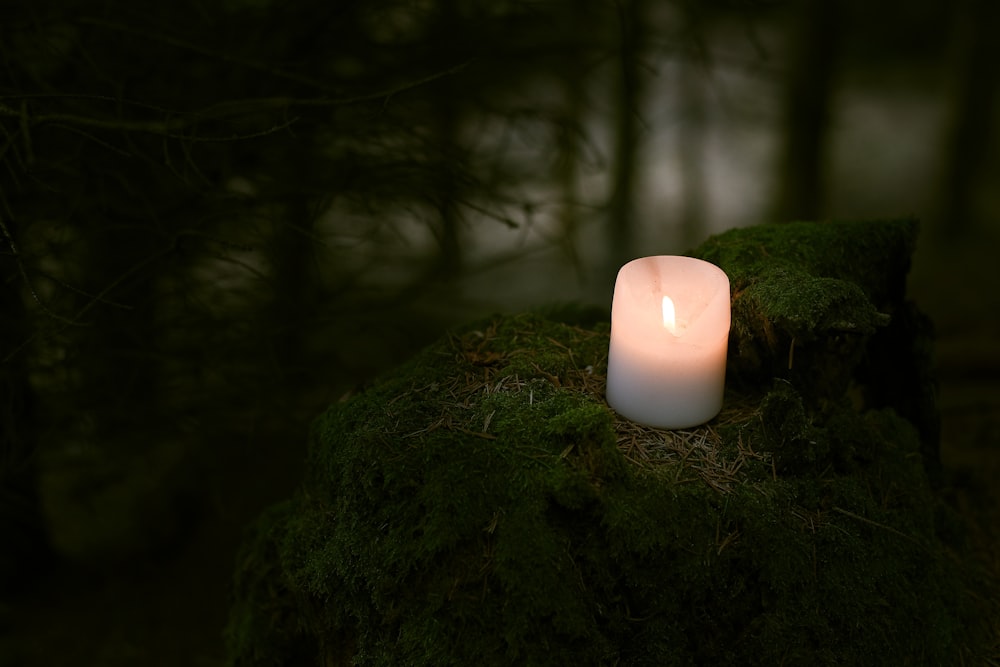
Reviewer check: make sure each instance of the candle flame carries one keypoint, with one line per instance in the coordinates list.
(669, 317)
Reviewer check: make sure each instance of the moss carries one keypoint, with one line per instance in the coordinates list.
(482, 505)
(265, 626)
(806, 296)
(873, 255)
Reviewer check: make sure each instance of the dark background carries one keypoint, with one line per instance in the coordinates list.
(216, 220)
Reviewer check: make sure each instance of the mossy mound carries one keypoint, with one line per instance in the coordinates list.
(811, 292)
(823, 306)
(483, 505)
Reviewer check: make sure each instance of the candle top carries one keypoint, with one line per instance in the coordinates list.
(683, 297)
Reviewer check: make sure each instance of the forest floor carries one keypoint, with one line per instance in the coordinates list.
(169, 605)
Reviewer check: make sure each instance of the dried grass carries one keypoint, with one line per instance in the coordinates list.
(694, 453)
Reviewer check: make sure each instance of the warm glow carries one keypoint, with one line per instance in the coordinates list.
(668, 373)
(669, 317)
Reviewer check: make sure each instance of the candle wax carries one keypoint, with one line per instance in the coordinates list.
(667, 361)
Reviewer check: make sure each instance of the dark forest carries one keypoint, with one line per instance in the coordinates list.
(218, 218)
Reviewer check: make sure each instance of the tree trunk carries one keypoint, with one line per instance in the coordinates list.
(621, 223)
(445, 197)
(118, 351)
(974, 103)
(813, 54)
(23, 535)
(692, 152)
(571, 130)
(294, 286)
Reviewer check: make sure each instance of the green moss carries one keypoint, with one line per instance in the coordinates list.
(265, 626)
(482, 505)
(874, 255)
(806, 296)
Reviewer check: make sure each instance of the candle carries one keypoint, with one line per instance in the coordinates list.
(669, 333)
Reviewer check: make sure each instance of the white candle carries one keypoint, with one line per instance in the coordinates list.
(669, 333)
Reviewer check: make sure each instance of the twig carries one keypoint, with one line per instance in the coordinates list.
(883, 526)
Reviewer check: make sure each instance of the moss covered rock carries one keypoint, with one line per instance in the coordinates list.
(483, 505)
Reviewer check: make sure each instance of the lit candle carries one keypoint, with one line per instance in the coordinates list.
(669, 333)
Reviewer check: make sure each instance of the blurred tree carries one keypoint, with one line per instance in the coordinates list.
(695, 70)
(445, 150)
(573, 68)
(25, 543)
(814, 40)
(973, 115)
(628, 96)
